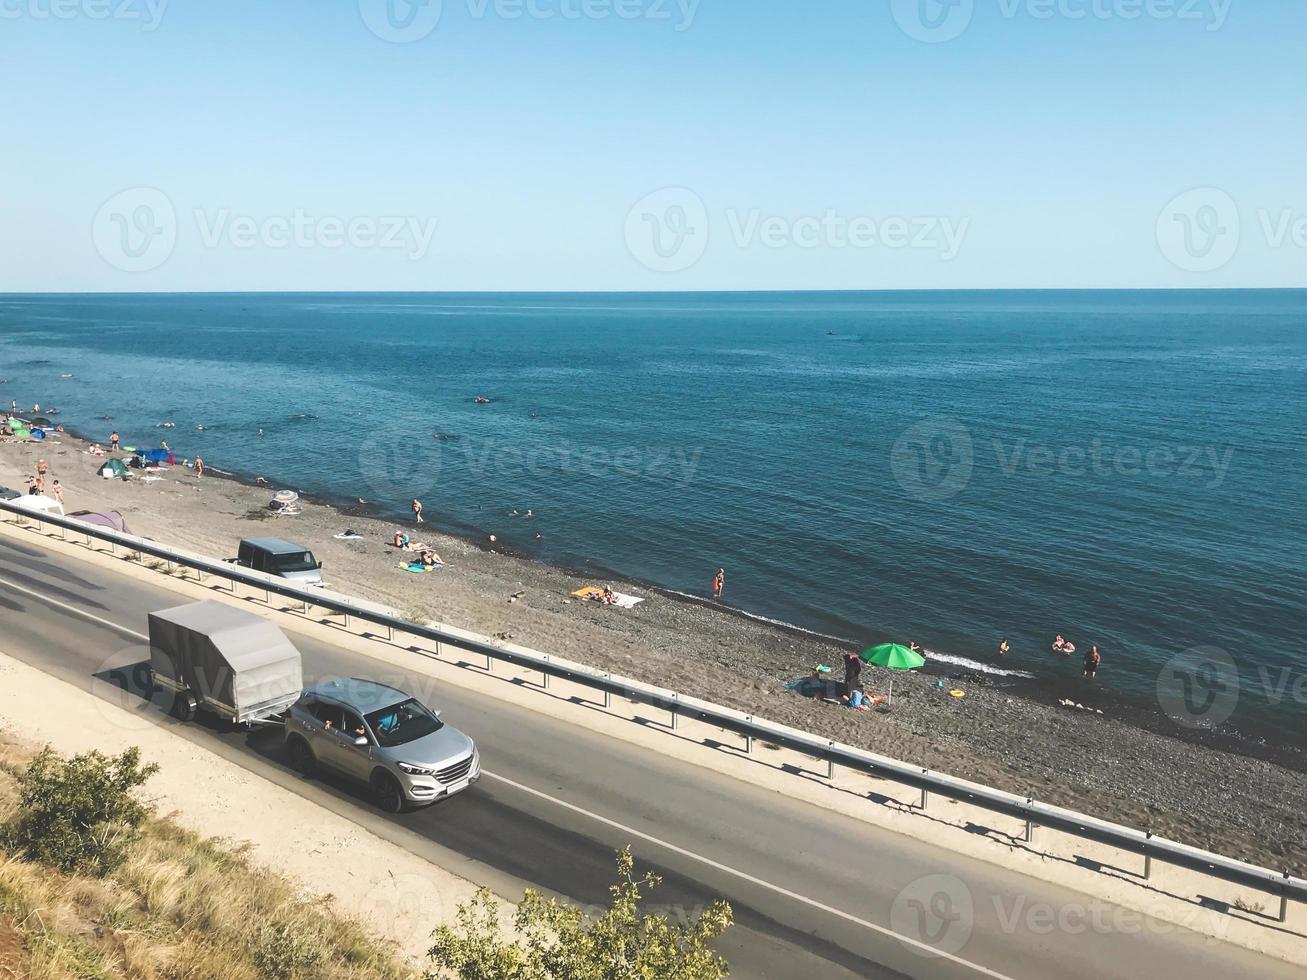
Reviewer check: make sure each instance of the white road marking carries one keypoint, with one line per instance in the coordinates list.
(706, 861)
(744, 876)
(67, 607)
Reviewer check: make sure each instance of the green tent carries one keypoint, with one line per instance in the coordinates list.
(114, 468)
(19, 429)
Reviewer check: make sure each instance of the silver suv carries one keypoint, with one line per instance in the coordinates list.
(382, 737)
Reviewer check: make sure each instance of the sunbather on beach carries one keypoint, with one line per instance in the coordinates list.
(429, 558)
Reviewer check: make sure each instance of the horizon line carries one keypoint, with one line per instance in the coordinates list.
(655, 292)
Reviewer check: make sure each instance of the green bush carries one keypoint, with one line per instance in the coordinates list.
(79, 815)
(283, 953)
(558, 942)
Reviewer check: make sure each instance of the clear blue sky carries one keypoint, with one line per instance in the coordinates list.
(1051, 146)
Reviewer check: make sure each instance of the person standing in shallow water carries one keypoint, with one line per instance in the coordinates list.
(113, 441)
(1092, 659)
(417, 511)
(1003, 648)
(719, 583)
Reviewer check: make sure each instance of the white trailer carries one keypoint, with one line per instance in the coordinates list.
(232, 663)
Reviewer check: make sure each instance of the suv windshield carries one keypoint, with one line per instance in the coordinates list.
(299, 562)
(404, 722)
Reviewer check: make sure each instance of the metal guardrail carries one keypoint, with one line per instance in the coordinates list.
(1033, 813)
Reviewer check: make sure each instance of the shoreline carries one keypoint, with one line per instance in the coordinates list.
(1008, 732)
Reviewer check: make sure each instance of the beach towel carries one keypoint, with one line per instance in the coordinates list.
(348, 537)
(417, 568)
(595, 594)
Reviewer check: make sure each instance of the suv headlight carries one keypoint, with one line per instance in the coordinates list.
(413, 770)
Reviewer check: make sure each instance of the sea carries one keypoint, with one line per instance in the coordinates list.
(948, 468)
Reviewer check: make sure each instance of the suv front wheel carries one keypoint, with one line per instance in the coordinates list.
(389, 796)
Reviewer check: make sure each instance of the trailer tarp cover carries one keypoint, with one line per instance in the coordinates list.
(226, 656)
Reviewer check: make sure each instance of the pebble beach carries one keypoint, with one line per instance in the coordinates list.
(1126, 769)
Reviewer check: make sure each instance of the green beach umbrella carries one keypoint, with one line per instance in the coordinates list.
(894, 656)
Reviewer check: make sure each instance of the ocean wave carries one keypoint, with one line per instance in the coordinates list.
(976, 665)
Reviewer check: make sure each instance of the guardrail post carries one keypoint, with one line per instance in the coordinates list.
(1284, 900)
(608, 695)
(674, 712)
(390, 630)
(925, 793)
(1148, 858)
(830, 764)
(544, 674)
(1030, 826)
(748, 739)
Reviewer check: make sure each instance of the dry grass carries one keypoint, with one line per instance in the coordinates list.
(181, 908)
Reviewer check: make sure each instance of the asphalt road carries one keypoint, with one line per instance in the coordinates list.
(816, 895)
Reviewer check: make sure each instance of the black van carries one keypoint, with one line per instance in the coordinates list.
(282, 558)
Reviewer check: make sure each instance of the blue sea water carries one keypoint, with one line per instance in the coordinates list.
(1125, 468)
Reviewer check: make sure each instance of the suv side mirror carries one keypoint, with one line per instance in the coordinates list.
(361, 741)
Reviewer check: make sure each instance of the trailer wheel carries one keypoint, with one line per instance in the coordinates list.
(301, 756)
(184, 706)
(390, 797)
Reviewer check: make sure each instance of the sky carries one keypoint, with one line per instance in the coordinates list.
(173, 145)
